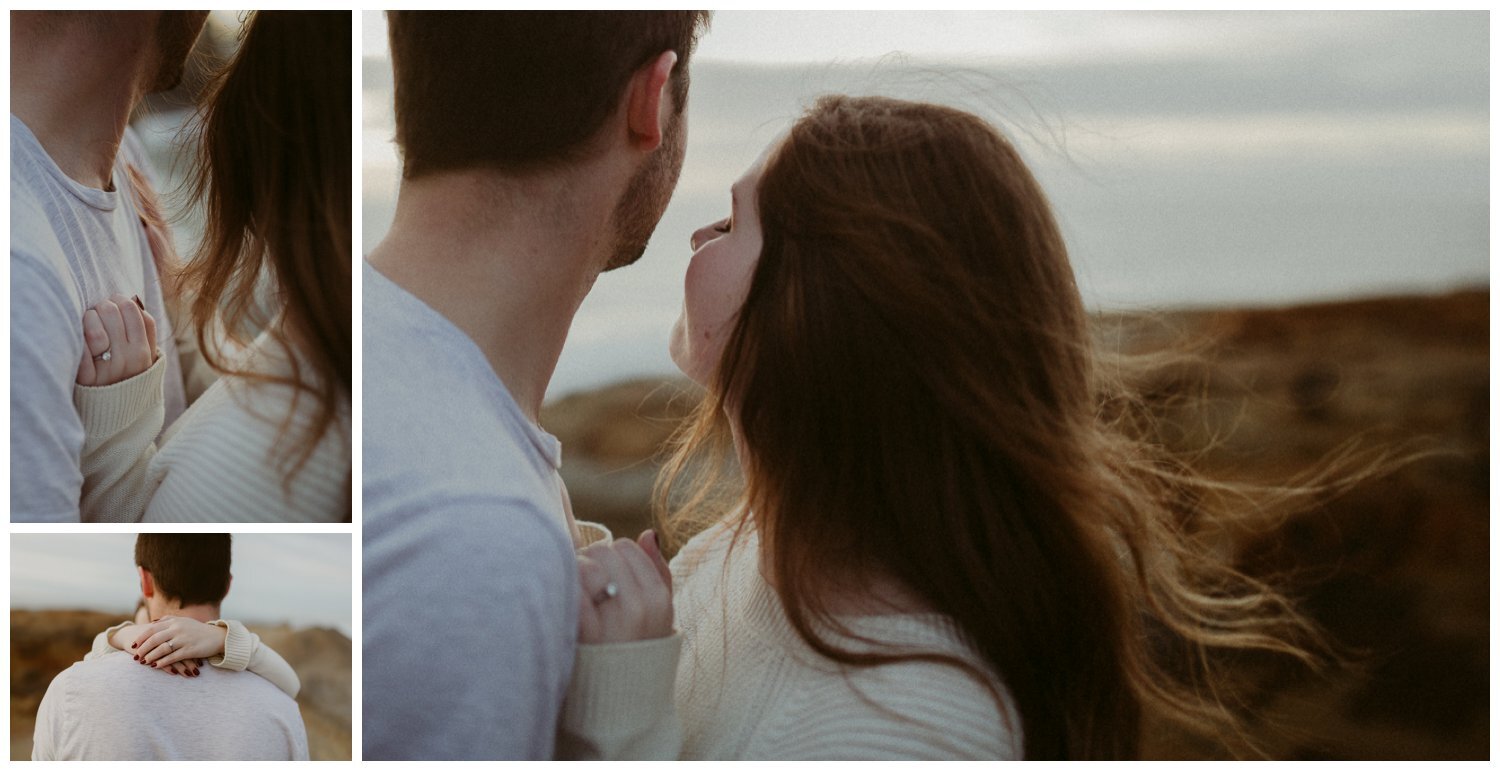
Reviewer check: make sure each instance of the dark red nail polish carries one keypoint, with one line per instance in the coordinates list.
(132, 646)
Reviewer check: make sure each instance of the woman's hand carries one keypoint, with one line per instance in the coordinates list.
(119, 341)
(172, 640)
(627, 591)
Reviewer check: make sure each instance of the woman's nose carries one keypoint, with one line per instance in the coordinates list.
(701, 236)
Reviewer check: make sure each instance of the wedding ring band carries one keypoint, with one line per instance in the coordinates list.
(169, 645)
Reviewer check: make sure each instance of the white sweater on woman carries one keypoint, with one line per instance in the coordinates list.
(221, 461)
(748, 687)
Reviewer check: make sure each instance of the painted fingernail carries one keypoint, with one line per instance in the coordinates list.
(132, 646)
(138, 302)
(137, 658)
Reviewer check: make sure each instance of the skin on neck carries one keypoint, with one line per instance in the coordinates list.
(507, 258)
(74, 85)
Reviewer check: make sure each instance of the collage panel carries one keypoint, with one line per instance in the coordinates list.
(180, 266)
(925, 385)
(181, 646)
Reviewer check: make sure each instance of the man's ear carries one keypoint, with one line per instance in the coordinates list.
(148, 587)
(648, 104)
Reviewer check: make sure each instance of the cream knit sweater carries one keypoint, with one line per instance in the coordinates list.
(747, 687)
(219, 461)
(243, 651)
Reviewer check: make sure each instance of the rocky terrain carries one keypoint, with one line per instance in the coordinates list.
(45, 642)
(1396, 568)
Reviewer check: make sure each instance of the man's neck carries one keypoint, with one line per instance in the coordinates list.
(204, 613)
(508, 262)
(75, 91)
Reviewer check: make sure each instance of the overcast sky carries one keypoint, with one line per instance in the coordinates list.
(1022, 36)
(303, 579)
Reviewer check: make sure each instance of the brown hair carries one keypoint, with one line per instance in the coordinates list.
(521, 90)
(917, 398)
(192, 568)
(272, 173)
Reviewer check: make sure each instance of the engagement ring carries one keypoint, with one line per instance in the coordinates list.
(611, 590)
(103, 356)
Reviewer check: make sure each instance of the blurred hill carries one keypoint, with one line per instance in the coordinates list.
(1397, 568)
(45, 642)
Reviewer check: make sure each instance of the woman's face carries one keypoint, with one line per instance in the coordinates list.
(718, 278)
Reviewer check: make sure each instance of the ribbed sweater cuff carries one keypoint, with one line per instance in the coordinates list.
(236, 647)
(107, 410)
(621, 689)
(592, 533)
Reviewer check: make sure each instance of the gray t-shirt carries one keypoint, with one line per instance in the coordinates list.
(71, 247)
(112, 708)
(470, 585)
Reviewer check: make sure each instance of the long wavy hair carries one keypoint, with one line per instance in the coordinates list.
(272, 174)
(915, 396)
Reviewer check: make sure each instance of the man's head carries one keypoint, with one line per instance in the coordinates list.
(163, 38)
(172, 42)
(182, 570)
(528, 92)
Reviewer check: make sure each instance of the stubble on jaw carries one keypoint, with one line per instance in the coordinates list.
(175, 33)
(646, 197)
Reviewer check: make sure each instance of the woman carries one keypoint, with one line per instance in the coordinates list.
(948, 544)
(269, 441)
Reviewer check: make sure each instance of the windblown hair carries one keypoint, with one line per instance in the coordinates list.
(272, 174)
(917, 398)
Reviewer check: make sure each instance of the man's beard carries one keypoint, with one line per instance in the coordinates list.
(646, 197)
(175, 33)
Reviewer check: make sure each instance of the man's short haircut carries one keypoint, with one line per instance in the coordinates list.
(518, 91)
(192, 568)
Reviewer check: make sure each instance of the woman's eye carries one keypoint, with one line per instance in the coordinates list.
(722, 227)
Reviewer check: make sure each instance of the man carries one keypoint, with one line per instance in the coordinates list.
(76, 232)
(538, 149)
(112, 708)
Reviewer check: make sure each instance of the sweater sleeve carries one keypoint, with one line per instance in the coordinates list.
(102, 646)
(619, 705)
(243, 650)
(120, 422)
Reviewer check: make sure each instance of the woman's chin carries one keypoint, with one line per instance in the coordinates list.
(683, 358)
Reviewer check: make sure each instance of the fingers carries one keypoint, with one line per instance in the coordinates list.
(86, 374)
(130, 314)
(650, 545)
(147, 632)
(137, 352)
(121, 330)
(95, 339)
(643, 574)
(173, 656)
(150, 332)
(589, 630)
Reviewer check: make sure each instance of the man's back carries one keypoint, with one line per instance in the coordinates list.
(112, 708)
